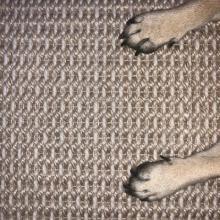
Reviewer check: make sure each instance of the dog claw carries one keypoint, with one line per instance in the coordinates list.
(145, 200)
(167, 159)
(123, 43)
(135, 20)
(122, 35)
(137, 53)
(133, 171)
(171, 43)
(131, 21)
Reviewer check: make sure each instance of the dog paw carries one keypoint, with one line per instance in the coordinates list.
(149, 31)
(154, 180)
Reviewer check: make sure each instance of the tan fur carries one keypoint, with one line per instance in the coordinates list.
(160, 27)
(152, 181)
(166, 178)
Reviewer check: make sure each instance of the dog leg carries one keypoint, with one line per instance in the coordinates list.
(154, 180)
(149, 31)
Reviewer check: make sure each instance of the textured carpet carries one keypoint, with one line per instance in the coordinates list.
(78, 111)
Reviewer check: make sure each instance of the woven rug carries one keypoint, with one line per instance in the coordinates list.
(78, 111)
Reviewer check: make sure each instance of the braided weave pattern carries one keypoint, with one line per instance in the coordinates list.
(78, 111)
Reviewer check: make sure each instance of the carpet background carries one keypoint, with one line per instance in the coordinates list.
(78, 111)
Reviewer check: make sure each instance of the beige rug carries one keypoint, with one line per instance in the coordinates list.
(77, 111)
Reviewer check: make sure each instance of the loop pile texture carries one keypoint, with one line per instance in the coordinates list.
(78, 111)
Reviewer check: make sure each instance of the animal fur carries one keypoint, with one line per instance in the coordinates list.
(146, 33)
(149, 31)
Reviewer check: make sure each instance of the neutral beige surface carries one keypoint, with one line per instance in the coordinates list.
(78, 111)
